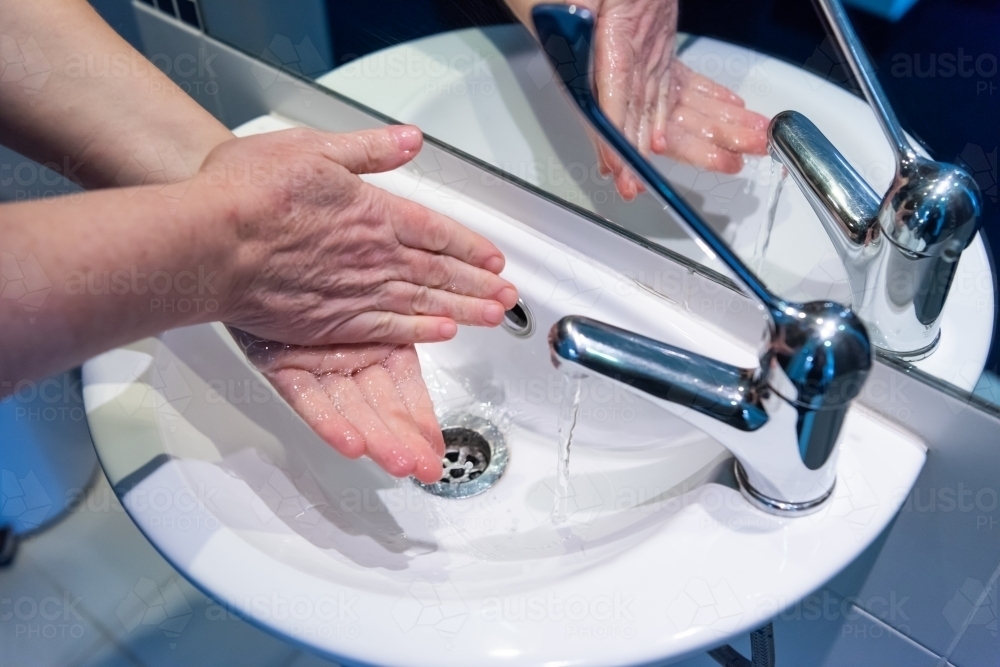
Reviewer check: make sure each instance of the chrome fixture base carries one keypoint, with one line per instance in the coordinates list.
(915, 355)
(777, 507)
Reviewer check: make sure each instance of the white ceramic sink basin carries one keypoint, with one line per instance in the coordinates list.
(659, 557)
(490, 92)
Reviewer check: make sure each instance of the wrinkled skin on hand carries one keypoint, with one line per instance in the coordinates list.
(361, 399)
(348, 277)
(659, 103)
(326, 258)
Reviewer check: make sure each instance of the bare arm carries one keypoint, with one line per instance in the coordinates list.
(252, 240)
(78, 98)
(277, 236)
(94, 271)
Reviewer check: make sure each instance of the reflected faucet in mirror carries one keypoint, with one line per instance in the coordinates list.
(900, 251)
(781, 420)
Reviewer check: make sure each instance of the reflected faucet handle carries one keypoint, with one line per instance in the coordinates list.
(802, 344)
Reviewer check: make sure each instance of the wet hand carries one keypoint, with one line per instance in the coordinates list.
(662, 105)
(659, 103)
(361, 399)
(320, 257)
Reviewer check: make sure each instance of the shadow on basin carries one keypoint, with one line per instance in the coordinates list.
(294, 474)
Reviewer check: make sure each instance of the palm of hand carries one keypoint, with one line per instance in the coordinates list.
(660, 104)
(361, 399)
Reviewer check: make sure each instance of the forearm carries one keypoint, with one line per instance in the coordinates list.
(80, 99)
(87, 273)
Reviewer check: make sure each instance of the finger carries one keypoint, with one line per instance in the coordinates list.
(380, 393)
(310, 401)
(404, 367)
(688, 79)
(664, 105)
(371, 151)
(451, 275)
(626, 185)
(595, 139)
(697, 151)
(613, 73)
(729, 113)
(409, 299)
(387, 327)
(610, 158)
(735, 138)
(421, 228)
(381, 445)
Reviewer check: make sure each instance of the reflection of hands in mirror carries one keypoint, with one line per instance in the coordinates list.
(321, 257)
(360, 399)
(659, 103)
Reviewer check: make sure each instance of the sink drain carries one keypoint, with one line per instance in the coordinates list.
(475, 456)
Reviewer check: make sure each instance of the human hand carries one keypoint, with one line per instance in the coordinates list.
(360, 399)
(659, 103)
(319, 257)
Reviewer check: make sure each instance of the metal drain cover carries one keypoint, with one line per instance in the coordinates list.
(474, 458)
(466, 455)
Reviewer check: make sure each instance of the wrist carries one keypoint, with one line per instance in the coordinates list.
(225, 221)
(206, 222)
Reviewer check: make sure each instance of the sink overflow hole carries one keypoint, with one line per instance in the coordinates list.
(518, 320)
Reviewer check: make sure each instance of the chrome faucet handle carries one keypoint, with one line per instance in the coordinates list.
(900, 251)
(838, 24)
(932, 208)
(818, 354)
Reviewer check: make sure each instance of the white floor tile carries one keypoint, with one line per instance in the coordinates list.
(99, 554)
(178, 625)
(41, 625)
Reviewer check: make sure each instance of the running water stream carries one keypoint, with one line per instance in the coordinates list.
(567, 421)
(778, 177)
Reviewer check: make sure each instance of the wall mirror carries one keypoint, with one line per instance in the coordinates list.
(474, 78)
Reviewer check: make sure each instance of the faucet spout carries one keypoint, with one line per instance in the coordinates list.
(846, 204)
(900, 251)
(783, 438)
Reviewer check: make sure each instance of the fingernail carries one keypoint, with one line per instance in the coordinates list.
(493, 313)
(508, 297)
(447, 330)
(407, 137)
(495, 264)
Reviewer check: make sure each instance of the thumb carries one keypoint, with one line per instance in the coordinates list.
(371, 151)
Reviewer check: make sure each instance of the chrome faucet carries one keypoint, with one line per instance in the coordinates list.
(781, 420)
(901, 251)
